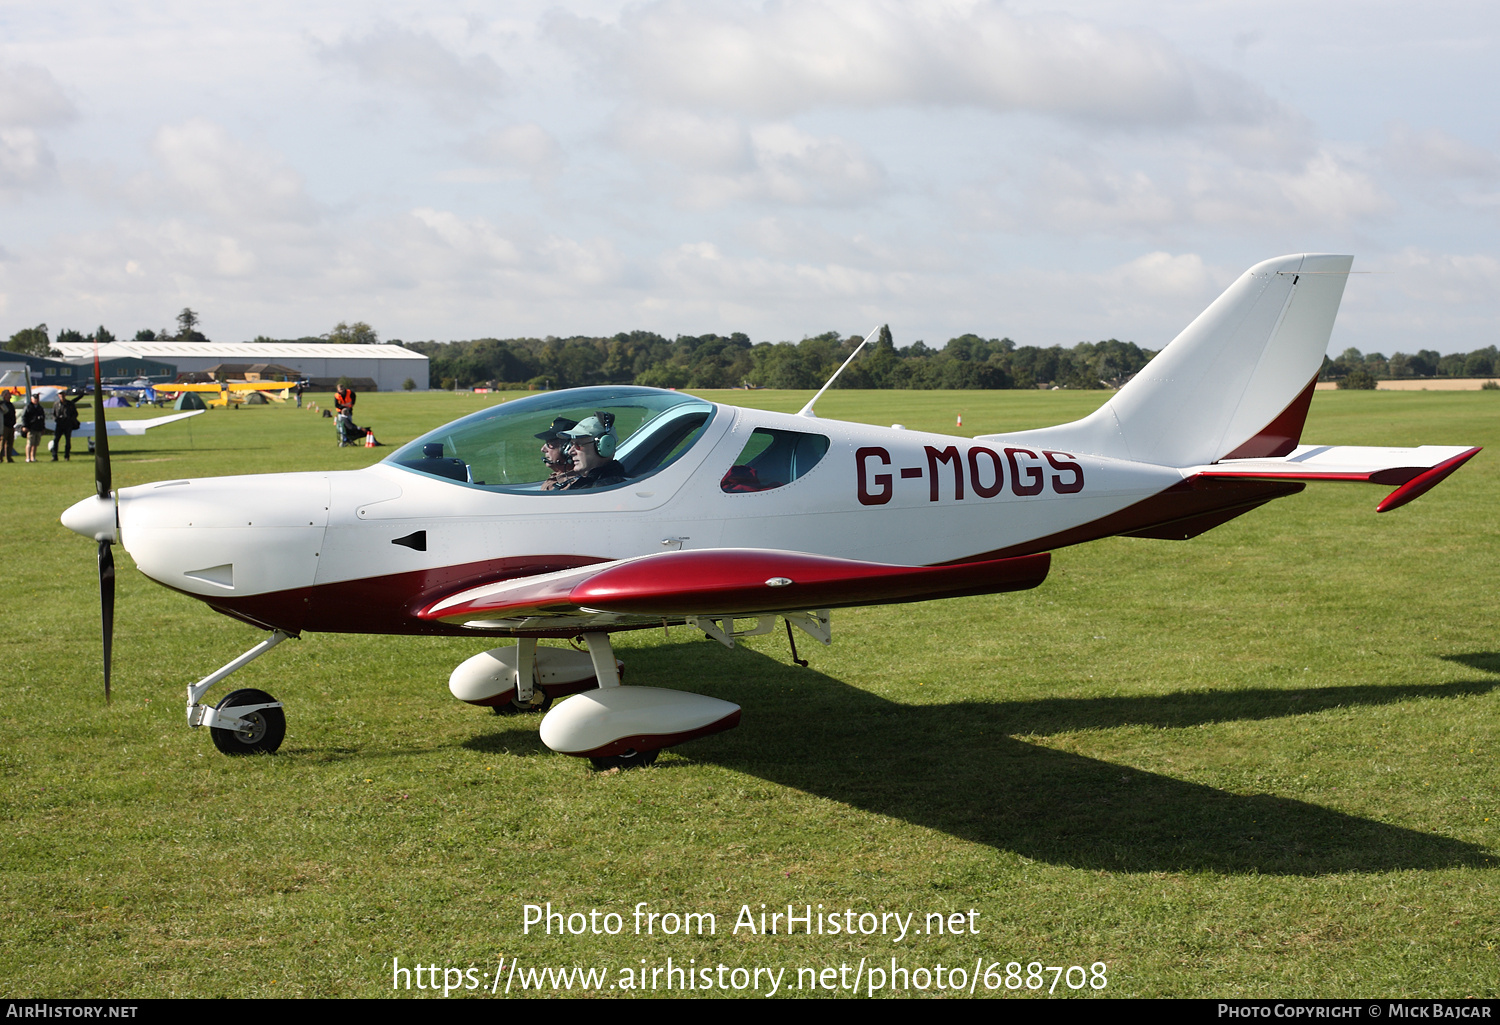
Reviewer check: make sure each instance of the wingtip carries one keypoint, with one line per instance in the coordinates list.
(1425, 482)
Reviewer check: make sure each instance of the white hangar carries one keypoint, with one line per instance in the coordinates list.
(389, 366)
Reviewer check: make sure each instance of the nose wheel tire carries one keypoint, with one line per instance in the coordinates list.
(265, 733)
(629, 760)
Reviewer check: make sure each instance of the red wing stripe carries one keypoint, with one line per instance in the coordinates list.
(720, 582)
(736, 581)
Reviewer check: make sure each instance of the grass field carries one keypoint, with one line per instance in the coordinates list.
(1258, 763)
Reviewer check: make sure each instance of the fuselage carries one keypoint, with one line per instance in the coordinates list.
(361, 551)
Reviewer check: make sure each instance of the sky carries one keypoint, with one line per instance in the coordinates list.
(1051, 172)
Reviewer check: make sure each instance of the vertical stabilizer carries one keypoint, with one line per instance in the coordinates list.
(1236, 382)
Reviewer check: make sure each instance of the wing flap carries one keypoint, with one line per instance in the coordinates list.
(732, 582)
(1413, 471)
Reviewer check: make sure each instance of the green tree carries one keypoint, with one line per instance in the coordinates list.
(145, 334)
(357, 333)
(187, 326)
(409, 385)
(1479, 363)
(33, 341)
(103, 335)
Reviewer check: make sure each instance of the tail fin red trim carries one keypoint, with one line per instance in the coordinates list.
(1282, 434)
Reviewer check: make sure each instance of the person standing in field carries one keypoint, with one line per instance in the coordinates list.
(64, 423)
(8, 426)
(34, 423)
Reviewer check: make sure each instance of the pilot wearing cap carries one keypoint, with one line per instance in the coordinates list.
(555, 454)
(593, 446)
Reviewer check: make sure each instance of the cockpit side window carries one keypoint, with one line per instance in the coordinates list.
(773, 459)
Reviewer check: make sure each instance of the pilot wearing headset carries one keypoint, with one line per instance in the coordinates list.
(555, 454)
(593, 446)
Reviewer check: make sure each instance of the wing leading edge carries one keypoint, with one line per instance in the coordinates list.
(729, 582)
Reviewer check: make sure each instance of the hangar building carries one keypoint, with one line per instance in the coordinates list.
(389, 366)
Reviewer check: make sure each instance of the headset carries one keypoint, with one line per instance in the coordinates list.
(605, 443)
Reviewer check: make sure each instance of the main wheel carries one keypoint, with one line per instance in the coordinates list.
(265, 733)
(629, 760)
(540, 702)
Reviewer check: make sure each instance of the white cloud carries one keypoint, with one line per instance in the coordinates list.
(1436, 154)
(801, 168)
(1448, 278)
(25, 161)
(1179, 186)
(1326, 191)
(714, 145)
(221, 175)
(417, 63)
(784, 56)
(697, 269)
(30, 97)
(1103, 197)
(475, 240)
(723, 162)
(1161, 275)
(527, 149)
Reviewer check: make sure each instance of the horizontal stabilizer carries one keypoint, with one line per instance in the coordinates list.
(730, 582)
(1412, 471)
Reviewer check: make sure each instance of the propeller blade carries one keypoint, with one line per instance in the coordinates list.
(103, 482)
(107, 605)
(103, 485)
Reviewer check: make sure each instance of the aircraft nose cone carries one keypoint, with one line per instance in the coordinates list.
(94, 518)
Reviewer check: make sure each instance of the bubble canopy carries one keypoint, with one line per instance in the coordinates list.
(497, 449)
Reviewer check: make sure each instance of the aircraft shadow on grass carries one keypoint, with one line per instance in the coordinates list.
(959, 768)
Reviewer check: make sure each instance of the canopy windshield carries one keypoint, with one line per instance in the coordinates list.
(498, 449)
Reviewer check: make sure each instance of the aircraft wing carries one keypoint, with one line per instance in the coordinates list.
(1413, 471)
(724, 582)
(134, 428)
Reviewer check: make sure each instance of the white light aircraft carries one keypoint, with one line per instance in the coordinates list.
(20, 382)
(718, 517)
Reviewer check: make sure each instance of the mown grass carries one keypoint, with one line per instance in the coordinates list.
(1261, 762)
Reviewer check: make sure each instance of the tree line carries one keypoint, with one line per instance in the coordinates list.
(733, 361)
(1354, 369)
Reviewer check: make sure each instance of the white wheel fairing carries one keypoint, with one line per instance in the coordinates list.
(489, 677)
(594, 723)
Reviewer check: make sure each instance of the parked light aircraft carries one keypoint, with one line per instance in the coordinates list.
(19, 382)
(726, 516)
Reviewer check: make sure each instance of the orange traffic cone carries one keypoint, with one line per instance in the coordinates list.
(960, 419)
(369, 438)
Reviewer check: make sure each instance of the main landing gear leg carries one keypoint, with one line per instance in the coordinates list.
(605, 670)
(247, 721)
